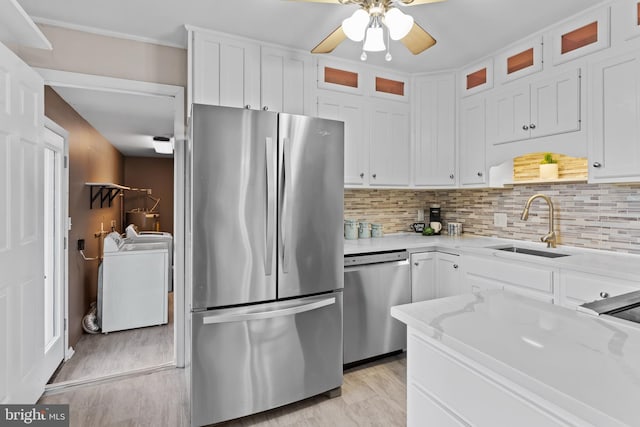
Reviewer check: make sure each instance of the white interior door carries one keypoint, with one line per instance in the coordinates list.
(55, 233)
(21, 230)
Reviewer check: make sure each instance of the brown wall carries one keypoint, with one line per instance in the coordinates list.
(156, 174)
(91, 159)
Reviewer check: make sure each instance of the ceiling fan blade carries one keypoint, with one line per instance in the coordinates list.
(331, 41)
(332, 1)
(418, 40)
(411, 2)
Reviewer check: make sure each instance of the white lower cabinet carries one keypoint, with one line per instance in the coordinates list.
(435, 275)
(577, 287)
(531, 280)
(446, 389)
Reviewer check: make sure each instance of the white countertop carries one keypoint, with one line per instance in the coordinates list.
(587, 365)
(620, 265)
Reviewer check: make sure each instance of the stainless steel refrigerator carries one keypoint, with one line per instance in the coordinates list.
(265, 260)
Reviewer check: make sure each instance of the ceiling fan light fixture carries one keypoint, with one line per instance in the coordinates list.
(398, 23)
(355, 26)
(375, 40)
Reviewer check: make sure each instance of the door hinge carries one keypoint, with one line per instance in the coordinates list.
(65, 243)
(65, 323)
(66, 161)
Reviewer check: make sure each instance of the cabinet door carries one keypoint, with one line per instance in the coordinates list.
(614, 150)
(389, 147)
(508, 115)
(349, 109)
(434, 129)
(472, 141)
(423, 273)
(555, 105)
(448, 279)
(285, 80)
(225, 71)
(577, 288)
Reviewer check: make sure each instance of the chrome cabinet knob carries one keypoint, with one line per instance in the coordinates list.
(525, 127)
(480, 174)
(604, 294)
(455, 266)
(452, 176)
(416, 264)
(248, 107)
(597, 164)
(361, 174)
(532, 126)
(265, 108)
(374, 175)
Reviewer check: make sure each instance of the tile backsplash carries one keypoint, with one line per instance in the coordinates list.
(598, 216)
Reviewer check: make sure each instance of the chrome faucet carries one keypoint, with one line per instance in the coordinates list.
(550, 237)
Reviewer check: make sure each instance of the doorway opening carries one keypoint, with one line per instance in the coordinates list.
(125, 287)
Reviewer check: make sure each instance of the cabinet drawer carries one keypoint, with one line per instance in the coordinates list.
(421, 406)
(578, 288)
(511, 273)
(454, 384)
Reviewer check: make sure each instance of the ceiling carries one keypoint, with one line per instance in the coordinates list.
(466, 30)
(129, 122)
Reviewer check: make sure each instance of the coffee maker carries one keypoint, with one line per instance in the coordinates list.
(434, 216)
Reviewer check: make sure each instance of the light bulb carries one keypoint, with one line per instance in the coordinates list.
(363, 57)
(388, 57)
(354, 26)
(374, 41)
(398, 23)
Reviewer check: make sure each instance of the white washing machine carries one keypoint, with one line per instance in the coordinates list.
(132, 235)
(133, 285)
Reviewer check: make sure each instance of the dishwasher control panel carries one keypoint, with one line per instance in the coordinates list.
(375, 258)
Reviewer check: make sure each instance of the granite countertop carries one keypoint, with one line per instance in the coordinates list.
(612, 264)
(584, 364)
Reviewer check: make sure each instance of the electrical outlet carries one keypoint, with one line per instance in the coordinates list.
(420, 215)
(500, 219)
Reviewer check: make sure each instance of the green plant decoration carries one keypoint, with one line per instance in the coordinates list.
(548, 159)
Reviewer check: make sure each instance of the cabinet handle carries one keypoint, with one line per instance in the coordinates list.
(604, 294)
(361, 174)
(374, 176)
(248, 107)
(597, 164)
(416, 264)
(525, 127)
(532, 126)
(265, 108)
(452, 176)
(455, 266)
(480, 174)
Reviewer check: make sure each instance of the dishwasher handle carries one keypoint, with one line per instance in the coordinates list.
(379, 264)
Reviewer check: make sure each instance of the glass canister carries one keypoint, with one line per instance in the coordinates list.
(350, 229)
(364, 232)
(376, 230)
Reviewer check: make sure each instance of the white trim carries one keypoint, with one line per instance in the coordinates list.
(18, 27)
(105, 33)
(110, 84)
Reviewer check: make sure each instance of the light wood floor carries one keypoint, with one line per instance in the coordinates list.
(372, 395)
(116, 352)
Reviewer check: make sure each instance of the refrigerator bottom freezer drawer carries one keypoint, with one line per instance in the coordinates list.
(255, 358)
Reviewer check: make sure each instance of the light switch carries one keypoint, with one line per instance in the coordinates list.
(500, 219)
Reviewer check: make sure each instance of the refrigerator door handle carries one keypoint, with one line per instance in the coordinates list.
(271, 208)
(286, 217)
(261, 315)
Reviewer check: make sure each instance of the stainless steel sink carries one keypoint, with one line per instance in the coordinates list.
(527, 251)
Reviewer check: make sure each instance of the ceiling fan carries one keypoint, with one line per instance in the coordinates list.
(367, 24)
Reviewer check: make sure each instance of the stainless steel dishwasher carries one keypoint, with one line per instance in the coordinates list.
(373, 283)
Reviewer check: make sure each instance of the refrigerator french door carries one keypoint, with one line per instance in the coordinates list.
(265, 227)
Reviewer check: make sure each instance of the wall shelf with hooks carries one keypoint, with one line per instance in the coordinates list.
(104, 192)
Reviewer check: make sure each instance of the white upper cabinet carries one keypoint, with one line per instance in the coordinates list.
(389, 148)
(225, 71)
(614, 148)
(350, 110)
(286, 78)
(544, 107)
(520, 60)
(435, 148)
(582, 35)
(472, 128)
